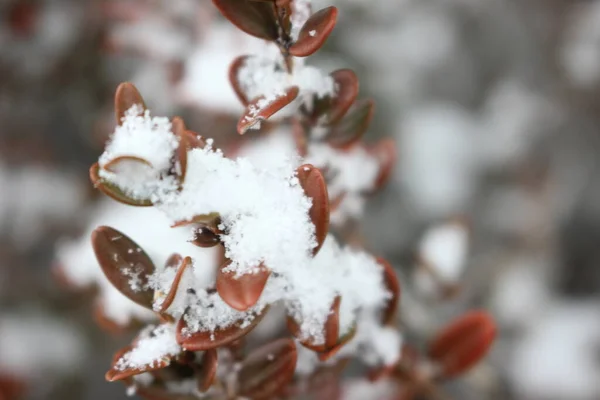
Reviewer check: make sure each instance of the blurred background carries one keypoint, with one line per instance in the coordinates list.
(495, 109)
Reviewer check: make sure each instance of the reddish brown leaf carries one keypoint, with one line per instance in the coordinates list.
(300, 137)
(262, 108)
(241, 292)
(211, 220)
(326, 355)
(266, 371)
(208, 371)
(314, 32)
(117, 163)
(347, 90)
(463, 343)
(331, 329)
(314, 186)
(11, 386)
(385, 151)
(178, 128)
(182, 267)
(124, 263)
(234, 70)
(393, 286)
(353, 126)
(126, 97)
(205, 237)
(255, 18)
(114, 191)
(115, 374)
(205, 340)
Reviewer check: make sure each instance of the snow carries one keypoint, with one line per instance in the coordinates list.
(266, 75)
(444, 248)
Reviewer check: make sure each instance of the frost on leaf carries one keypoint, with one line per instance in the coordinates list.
(263, 107)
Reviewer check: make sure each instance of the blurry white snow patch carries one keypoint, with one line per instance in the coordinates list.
(34, 345)
(437, 161)
(580, 55)
(558, 358)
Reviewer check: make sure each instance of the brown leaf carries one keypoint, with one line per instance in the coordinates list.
(117, 163)
(205, 237)
(314, 186)
(178, 128)
(116, 374)
(181, 268)
(267, 370)
(208, 370)
(385, 152)
(347, 89)
(211, 220)
(315, 32)
(255, 18)
(393, 286)
(234, 70)
(114, 191)
(205, 340)
(300, 137)
(326, 355)
(261, 109)
(353, 126)
(331, 329)
(126, 97)
(241, 292)
(124, 263)
(463, 343)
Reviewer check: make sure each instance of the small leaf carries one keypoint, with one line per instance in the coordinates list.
(241, 292)
(114, 191)
(118, 374)
(463, 343)
(393, 286)
(315, 32)
(210, 220)
(266, 371)
(326, 355)
(115, 165)
(346, 91)
(331, 329)
(300, 137)
(234, 70)
(314, 187)
(126, 97)
(255, 18)
(353, 126)
(208, 370)
(205, 340)
(181, 269)
(178, 128)
(124, 263)
(385, 152)
(261, 108)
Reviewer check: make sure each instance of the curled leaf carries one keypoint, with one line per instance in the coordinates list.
(326, 355)
(315, 32)
(181, 269)
(346, 84)
(353, 126)
(205, 340)
(234, 69)
(393, 286)
(126, 162)
(314, 186)
(208, 371)
(114, 191)
(463, 343)
(385, 152)
(261, 108)
(266, 371)
(126, 97)
(256, 18)
(124, 263)
(241, 292)
(331, 329)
